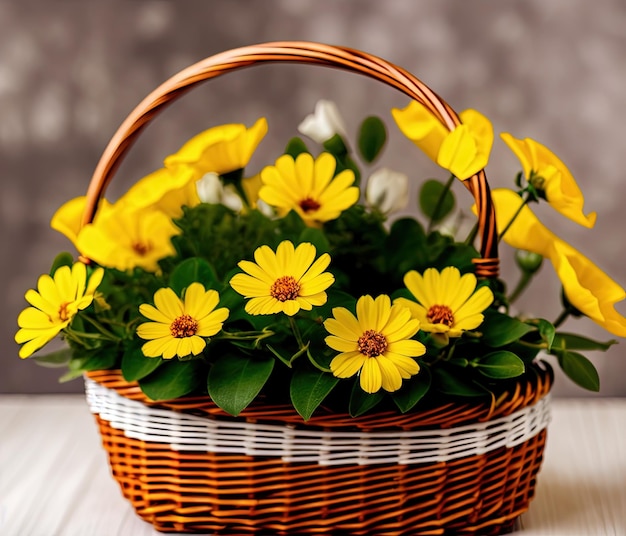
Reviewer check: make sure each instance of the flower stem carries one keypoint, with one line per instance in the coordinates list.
(105, 332)
(296, 332)
(439, 203)
(561, 318)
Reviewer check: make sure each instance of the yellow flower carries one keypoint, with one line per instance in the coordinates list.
(178, 326)
(165, 190)
(447, 302)
(587, 287)
(545, 171)
(376, 344)
(285, 281)
(308, 187)
(128, 237)
(69, 217)
(463, 151)
(219, 149)
(54, 304)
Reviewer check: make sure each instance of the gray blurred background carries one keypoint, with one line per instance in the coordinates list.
(70, 71)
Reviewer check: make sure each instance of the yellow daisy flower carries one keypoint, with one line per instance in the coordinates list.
(447, 302)
(550, 176)
(376, 344)
(219, 149)
(54, 304)
(128, 237)
(308, 187)
(178, 326)
(463, 152)
(286, 281)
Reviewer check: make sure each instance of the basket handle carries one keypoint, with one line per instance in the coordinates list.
(294, 52)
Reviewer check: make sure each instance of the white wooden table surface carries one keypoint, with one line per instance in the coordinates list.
(54, 478)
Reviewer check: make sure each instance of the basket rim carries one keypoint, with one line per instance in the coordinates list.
(527, 390)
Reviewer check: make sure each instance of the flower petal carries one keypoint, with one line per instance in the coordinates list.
(347, 364)
(371, 377)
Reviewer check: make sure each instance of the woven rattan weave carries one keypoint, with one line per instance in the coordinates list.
(226, 493)
(263, 489)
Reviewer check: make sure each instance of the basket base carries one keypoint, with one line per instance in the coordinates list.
(179, 481)
(187, 492)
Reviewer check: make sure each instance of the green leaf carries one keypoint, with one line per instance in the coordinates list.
(235, 380)
(547, 331)
(309, 388)
(136, 366)
(317, 237)
(451, 384)
(337, 147)
(296, 146)
(173, 379)
(372, 137)
(62, 259)
(189, 271)
(60, 358)
(580, 370)
(436, 200)
(569, 341)
(405, 246)
(500, 365)
(499, 329)
(413, 390)
(99, 358)
(361, 402)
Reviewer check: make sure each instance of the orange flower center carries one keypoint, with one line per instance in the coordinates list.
(440, 314)
(285, 288)
(63, 312)
(372, 343)
(309, 205)
(183, 326)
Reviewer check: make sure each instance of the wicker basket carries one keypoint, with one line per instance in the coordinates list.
(449, 468)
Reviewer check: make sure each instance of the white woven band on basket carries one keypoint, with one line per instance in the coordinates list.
(184, 432)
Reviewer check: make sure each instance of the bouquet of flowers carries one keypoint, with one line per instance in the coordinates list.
(295, 283)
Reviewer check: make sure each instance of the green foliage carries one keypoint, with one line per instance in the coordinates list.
(235, 380)
(413, 390)
(371, 138)
(296, 146)
(580, 370)
(173, 379)
(136, 366)
(308, 389)
(499, 365)
(60, 358)
(362, 402)
(286, 359)
(436, 200)
(449, 383)
(500, 329)
(62, 259)
(571, 341)
(192, 270)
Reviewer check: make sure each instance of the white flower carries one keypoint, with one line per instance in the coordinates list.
(387, 190)
(211, 190)
(324, 123)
